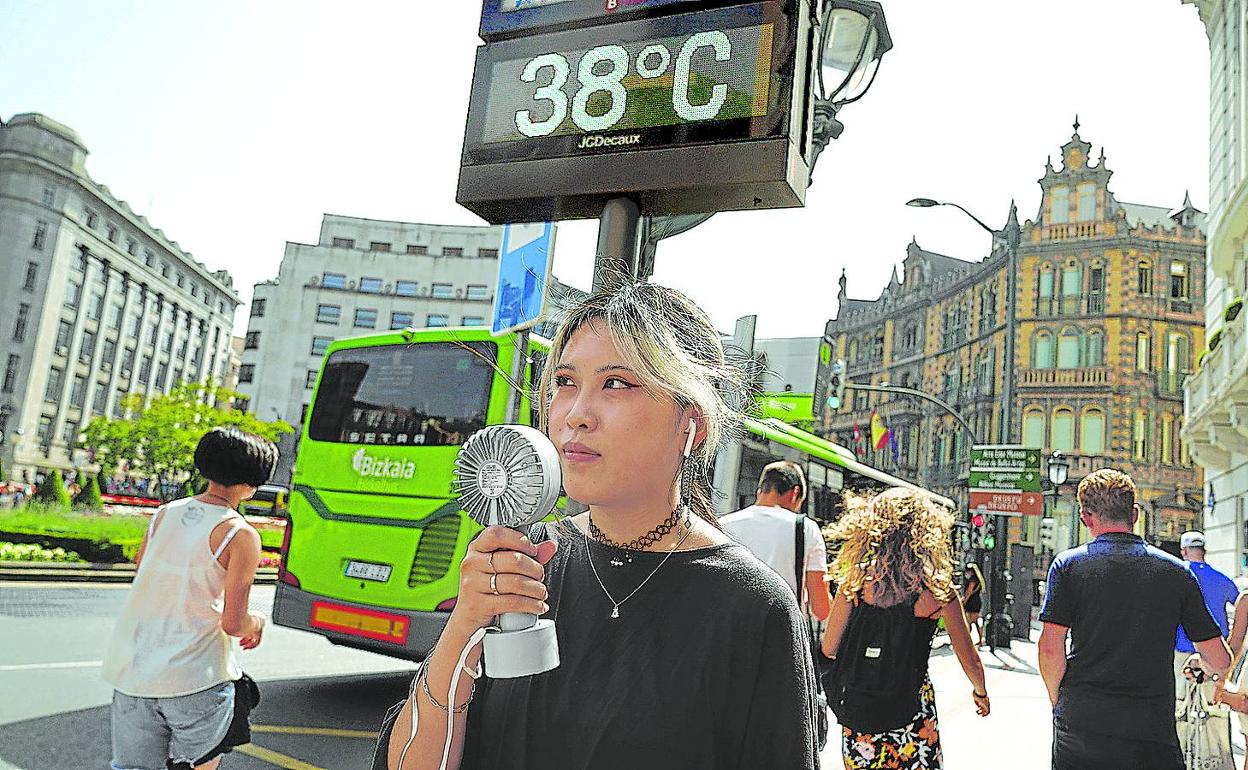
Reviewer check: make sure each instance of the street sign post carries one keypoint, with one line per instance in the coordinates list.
(524, 263)
(684, 112)
(1005, 480)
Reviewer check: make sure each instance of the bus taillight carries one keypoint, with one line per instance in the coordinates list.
(283, 574)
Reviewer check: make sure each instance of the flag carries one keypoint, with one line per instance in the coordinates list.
(892, 442)
(879, 433)
(857, 441)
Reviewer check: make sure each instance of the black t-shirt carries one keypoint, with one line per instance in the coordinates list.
(707, 666)
(1122, 600)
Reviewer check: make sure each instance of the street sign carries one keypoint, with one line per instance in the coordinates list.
(524, 263)
(823, 372)
(685, 113)
(1005, 480)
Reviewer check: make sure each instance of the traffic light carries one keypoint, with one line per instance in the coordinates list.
(1048, 533)
(978, 519)
(990, 535)
(836, 384)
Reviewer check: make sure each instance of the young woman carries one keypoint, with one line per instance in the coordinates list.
(677, 648)
(973, 599)
(895, 580)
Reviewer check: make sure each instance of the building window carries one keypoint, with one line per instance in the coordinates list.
(108, 355)
(93, 219)
(370, 285)
(487, 253)
(436, 319)
(328, 314)
(452, 251)
(162, 372)
(1087, 202)
(127, 361)
(168, 345)
(1178, 281)
(1140, 431)
(164, 270)
(1064, 430)
(1042, 350)
(344, 243)
(416, 249)
(101, 396)
(474, 320)
(45, 430)
(310, 382)
(400, 320)
(365, 318)
(41, 236)
(64, 331)
(320, 345)
(119, 408)
(32, 275)
(53, 392)
(112, 232)
(251, 341)
(257, 308)
(1059, 205)
(149, 258)
(88, 347)
(195, 291)
(1096, 290)
(477, 291)
(1068, 349)
(1092, 433)
(405, 288)
(10, 374)
(246, 373)
(132, 247)
(1044, 293)
(1072, 289)
(1094, 354)
(181, 281)
(95, 308)
(78, 392)
(145, 369)
(1178, 358)
(1167, 439)
(1143, 352)
(49, 196)
(443, 291)
(334, 281)
(378, 246)
(19, 326)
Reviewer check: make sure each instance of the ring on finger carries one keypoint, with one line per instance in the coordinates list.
(494, 584)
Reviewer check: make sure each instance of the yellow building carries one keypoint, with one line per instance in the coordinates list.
(1106, 327)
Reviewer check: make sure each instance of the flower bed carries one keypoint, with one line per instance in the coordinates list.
(34, 552)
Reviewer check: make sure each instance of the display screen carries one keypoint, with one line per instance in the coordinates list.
(681, 79)
(502, 18)
(709, 75)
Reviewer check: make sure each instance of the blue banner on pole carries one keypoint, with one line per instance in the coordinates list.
(524, 263)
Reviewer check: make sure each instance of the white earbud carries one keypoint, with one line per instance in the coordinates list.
(693, 430)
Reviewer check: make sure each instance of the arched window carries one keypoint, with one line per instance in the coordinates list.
(1087, 202)
(1177, 356)
(1144, 277)
(1044, 291)
(1092, 432)
(1167, 439)
(1095, 349)
(1033, 429)
(1064, 430)
(1060, 206)
(853, 351)
(1143, 353)
(1072, 288)
(1042, 350)
(1068, 349)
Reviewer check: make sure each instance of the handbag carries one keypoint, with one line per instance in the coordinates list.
(1204, 732)
(246, 698)
(821, 697)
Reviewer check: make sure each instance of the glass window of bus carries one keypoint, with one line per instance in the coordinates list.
(432, 394)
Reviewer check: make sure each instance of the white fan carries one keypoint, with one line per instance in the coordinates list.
(508, 475)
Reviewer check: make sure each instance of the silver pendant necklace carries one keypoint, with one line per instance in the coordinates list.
(615, 606)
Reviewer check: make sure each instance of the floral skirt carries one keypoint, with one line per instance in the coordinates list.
(913, 747)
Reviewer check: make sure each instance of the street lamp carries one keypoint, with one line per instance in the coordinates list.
(853, 38)
(1059, 471)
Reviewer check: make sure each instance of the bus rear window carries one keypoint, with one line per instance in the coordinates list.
(431, 394)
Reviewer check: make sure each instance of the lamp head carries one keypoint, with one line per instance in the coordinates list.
(1059, 468)
(855, 36)
(922, 203)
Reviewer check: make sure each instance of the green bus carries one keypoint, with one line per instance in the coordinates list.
(374, 535)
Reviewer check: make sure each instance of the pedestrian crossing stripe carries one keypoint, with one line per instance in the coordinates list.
(275, 758)
(332, 732)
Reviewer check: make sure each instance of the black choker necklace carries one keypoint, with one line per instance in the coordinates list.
(679, 515)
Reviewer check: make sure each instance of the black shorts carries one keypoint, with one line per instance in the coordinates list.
(1075, 749)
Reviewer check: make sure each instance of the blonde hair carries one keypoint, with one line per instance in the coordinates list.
(898, 541)
(1108, 494)
(672, 345)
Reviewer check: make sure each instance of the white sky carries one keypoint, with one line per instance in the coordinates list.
(234, 125)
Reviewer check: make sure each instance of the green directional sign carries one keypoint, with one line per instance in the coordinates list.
(1019, 481)
(1005, 457)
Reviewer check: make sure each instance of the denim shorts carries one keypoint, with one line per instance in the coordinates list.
(152, 733)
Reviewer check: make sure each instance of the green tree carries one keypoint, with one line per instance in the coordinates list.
(3, 478)
(159, 439)
(52, 491)
(88, 499)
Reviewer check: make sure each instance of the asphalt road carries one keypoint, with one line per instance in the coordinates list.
(320, 706)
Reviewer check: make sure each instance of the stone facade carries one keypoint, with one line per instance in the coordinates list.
(98, 303)
(1106, 325)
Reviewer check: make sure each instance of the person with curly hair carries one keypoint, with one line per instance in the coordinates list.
(895, 581)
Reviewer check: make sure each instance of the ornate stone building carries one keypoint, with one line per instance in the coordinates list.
(1107, 320)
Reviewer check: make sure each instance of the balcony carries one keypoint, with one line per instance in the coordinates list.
(1064, 378)
(1171, 383)
(1217, 401)
(1180, 306)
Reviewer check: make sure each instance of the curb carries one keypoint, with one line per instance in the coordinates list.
(68, 572)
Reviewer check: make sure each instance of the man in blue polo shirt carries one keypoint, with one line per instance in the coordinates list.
(1219, 591)
(1120, 601)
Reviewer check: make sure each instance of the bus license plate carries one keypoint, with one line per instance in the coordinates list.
(365, 571)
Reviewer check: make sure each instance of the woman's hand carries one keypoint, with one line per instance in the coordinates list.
(982, 706)
(502, 572)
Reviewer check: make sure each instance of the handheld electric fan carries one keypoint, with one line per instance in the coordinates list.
(509, 475)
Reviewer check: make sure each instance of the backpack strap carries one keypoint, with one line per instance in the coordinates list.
(799, 558)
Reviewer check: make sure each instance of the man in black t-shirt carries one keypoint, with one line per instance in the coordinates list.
(1120, 600)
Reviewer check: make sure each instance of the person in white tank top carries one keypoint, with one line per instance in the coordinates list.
(171, 659)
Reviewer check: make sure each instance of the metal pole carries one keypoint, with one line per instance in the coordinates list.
(519, 358)
(619, 244)
(918, 394)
